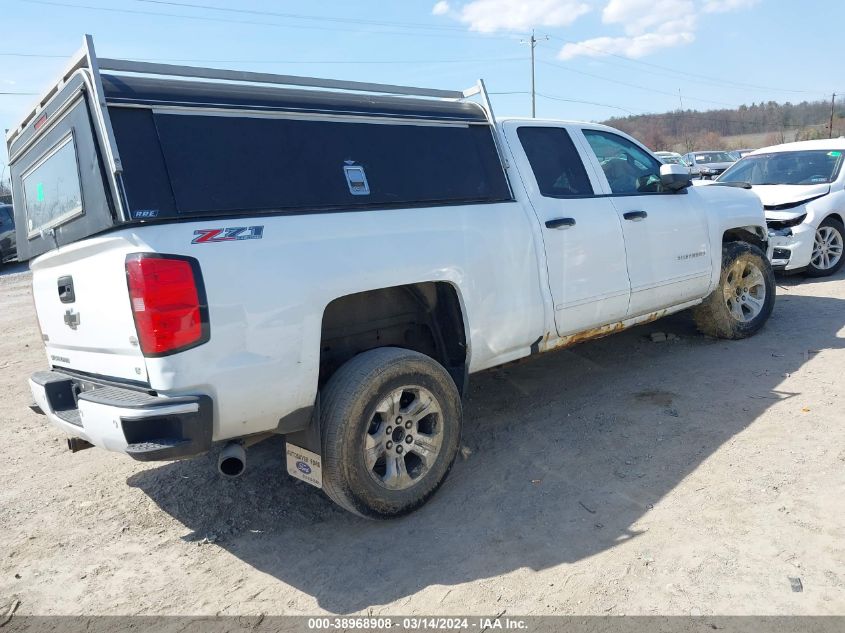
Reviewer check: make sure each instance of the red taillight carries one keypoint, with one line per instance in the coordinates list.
(168, 303)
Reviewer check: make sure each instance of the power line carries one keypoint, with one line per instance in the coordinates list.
(290, 61)
(683, 73)
(206, 18)
(604, 105)
(630, 85)
(557, 98)
(33, 55)
(300, 16)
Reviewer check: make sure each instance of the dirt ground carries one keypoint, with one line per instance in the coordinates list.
(622, 476)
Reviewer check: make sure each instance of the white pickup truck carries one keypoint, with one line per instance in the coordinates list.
(218, 256)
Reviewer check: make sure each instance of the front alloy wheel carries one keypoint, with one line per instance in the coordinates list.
(744, 290)
(742, 302)
(827, 249)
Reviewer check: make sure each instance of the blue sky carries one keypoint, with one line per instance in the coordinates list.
(635, 55)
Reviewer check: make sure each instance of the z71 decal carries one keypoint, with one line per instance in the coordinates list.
(231, 234)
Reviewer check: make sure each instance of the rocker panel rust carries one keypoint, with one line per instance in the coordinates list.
(551, 342)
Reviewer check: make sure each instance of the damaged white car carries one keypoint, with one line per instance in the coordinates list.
(802, 186)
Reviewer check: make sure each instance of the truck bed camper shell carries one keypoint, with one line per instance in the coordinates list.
(116, 141)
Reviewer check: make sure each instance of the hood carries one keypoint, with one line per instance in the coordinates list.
(789, 195)
(715, 165)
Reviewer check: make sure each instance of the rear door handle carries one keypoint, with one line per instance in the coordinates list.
(635, 216)
(560, 223)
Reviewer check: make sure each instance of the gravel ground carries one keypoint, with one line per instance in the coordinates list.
(622, 476)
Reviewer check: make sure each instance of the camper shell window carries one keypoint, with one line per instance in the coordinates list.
(52, 189)
(58, 176)
(210, 163)
(194, 148)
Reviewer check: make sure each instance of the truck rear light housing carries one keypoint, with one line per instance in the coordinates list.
(168, 302)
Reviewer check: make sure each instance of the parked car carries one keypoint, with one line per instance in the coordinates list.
(740, 153)
(709, 164)
(8, 250)
(802, 186)
(671, 158)
(219, 261)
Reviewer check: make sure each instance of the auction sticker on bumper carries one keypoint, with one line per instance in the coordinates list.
(304, 465)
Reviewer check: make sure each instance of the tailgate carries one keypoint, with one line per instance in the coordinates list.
(84, 313)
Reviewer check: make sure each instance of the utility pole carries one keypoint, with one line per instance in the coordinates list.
(534, 92)
(832, 104)
(533, 43)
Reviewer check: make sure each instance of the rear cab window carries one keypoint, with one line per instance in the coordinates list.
(555, 161)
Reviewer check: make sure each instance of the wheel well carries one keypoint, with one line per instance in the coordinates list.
(425, 317)
(836, 216)
(745, 234)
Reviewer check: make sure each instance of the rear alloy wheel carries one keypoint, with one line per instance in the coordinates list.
(390, 426)
(827, 249)
(404, 438)
(742, 302)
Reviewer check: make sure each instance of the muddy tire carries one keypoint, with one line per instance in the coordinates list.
(743, 301)
(391, 426)
(827, 257)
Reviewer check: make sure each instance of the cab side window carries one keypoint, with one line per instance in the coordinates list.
(628, 168)
(555, 162)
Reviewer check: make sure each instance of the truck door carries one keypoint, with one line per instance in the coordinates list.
(582, 233)
(666, 237)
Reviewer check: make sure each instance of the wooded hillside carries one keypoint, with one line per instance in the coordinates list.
(747, 126)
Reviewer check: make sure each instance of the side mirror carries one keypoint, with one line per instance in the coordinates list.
(674, 177)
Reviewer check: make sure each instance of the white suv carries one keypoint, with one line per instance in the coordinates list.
(802, 186)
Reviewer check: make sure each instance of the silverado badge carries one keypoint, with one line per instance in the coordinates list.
(72, 319)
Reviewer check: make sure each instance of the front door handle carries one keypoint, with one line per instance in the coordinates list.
(635, 216)
(560, 223)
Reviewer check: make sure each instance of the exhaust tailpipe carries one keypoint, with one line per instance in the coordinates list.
(232, 460)
(76, 444)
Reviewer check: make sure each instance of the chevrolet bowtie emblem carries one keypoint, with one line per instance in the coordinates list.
(72, 319)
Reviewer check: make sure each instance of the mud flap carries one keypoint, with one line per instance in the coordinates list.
(304, 465)
(303, 451)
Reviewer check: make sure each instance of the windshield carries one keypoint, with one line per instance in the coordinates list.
(713, 157)
(672, 160)
(810, 167)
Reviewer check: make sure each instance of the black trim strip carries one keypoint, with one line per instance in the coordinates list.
(153, 104)
(618, 195)
(230, 215)
(139, 385)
